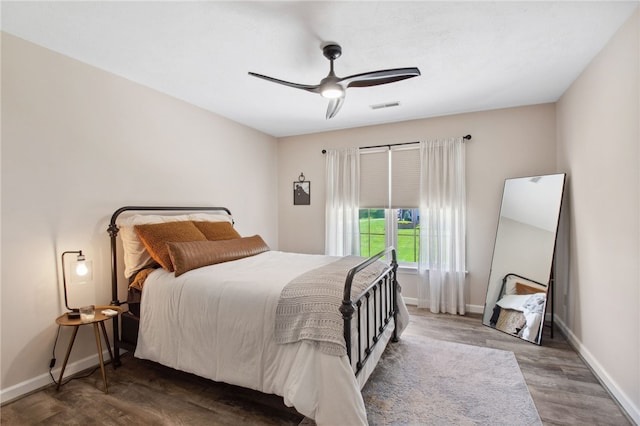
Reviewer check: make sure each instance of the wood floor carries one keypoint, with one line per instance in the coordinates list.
(563, 388)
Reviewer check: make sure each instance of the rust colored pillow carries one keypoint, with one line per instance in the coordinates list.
(522, 288)
(186, 256)
(156, 236)
(140, 278)
(216, 231)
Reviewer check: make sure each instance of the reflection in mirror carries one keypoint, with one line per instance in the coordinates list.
(520, 274)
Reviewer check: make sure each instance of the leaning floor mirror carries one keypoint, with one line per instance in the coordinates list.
(520, 276)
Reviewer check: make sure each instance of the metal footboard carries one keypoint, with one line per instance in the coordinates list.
(377, 303)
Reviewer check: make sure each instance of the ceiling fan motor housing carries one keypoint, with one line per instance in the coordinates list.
(332, 51)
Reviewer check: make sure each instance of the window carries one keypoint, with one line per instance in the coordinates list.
(375, 234)
(372, 231)
(408, 236)
(389, 196)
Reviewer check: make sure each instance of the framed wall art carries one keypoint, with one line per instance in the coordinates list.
(301, 192)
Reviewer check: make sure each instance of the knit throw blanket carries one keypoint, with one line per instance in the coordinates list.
(309, 306)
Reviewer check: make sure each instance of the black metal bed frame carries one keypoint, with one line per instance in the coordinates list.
(383, 291)
(382, 310)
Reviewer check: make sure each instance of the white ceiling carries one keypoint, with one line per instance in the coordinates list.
(472, 55)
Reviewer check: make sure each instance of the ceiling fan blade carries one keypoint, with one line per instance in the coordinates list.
(375, 78)
(334, 106)
(314, 88)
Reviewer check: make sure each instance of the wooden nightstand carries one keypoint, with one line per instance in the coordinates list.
(99, 318)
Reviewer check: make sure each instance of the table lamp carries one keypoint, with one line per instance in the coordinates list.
(82, 269)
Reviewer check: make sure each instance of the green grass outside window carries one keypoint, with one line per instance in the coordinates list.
(372, 240)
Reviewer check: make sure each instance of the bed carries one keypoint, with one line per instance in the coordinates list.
(520, 307)
(309, 328)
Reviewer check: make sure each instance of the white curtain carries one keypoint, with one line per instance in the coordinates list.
(342, 229)
(442, 226)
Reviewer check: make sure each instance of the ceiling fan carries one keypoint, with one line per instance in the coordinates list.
(334, 87)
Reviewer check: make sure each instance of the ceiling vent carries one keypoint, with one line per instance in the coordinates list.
(385, 105)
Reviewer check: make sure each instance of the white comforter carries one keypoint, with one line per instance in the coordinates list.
(218, 322)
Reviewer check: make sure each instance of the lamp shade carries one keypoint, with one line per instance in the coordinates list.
(82, 272)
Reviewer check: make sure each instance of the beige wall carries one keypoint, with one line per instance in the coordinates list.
(506, 143)
(598, 145)
(77, 143)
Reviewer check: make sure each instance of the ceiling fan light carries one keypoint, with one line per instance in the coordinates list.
(332, 91)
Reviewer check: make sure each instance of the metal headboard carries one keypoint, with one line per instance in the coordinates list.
(113, 233)
(511, 274)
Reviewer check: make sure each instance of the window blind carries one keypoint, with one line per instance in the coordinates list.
(374, 178)
(390, 178)
(405, 177)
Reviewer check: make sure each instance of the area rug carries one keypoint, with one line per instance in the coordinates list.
(422, 381)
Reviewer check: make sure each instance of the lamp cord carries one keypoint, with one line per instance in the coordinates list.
(52, 364)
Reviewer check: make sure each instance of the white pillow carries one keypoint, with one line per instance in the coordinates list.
(514, 301)
(209, 217)
(136, 255)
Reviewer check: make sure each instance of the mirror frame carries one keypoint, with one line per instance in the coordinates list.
(523, 289)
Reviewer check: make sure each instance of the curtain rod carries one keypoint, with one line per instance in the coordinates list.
(466, 137)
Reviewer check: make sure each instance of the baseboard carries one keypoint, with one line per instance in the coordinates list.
(601, 374)
(413, 301)
(473, 309)
(44, 380)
